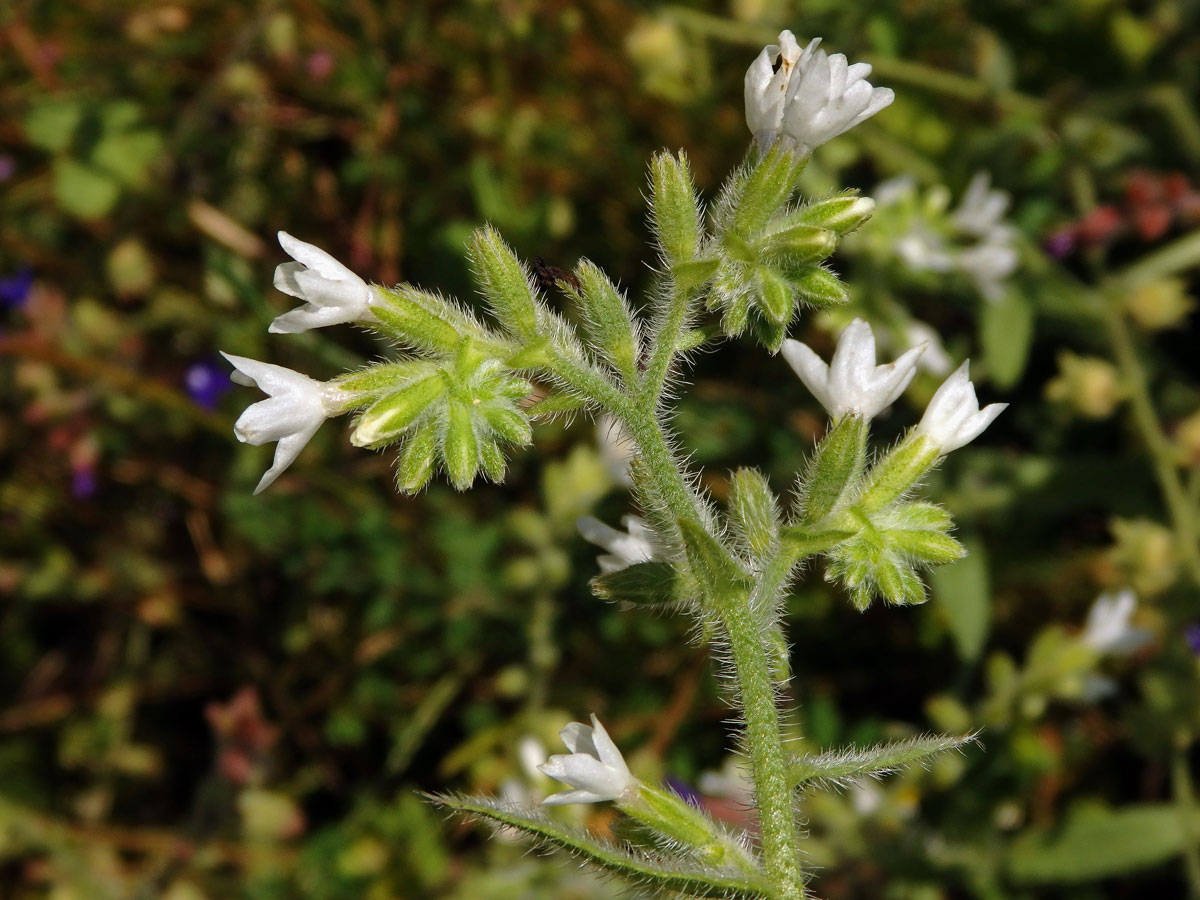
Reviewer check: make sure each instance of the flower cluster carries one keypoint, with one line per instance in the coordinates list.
(297, 404)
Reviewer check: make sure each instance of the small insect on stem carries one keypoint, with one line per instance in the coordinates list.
(548, 276)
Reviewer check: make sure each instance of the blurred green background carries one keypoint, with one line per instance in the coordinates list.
(209, 695)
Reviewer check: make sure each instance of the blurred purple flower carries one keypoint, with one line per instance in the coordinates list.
(1191, 634)
(14, 289)
(8, 167)
(83, 482)
(206, 383)
(1060, 244)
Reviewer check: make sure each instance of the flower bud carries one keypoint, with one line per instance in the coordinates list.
(674, 207)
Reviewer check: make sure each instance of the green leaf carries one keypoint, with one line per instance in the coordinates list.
(661, 873)
(642, 584)
(52, 126)
(128, 155)
(840, 766)
(1006, 334)
(82, 190)
(710, 562)
(963, 592)
(1096, 842)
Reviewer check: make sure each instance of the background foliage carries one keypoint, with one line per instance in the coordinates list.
(205, 694)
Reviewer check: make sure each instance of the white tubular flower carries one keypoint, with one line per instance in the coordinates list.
(625, 548)
(595, 767)
(294, 411)
(1108, 631)
(332, 294)
(806, 96)
(953, 417)
(852, 383)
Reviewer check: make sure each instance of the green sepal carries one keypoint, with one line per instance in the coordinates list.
(460, 447)
(841, 213)
(834, 470)
(754, 512)
(770, 334)
(842, 766)
(667, 875)
(797, 246)
(900, 470)
(507, 423)
(492, 461)
(674, 208)
(692, 338)
(800, 543)
(417, 458)
(425, 321)
(768, 185)
(386, 419)
(642, 584)
(776, 301)
(668, 815)
(607, 320)
(374, 381)
(692, 275)
(819, 287)
(504, 283)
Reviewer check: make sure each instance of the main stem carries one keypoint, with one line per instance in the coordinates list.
(756, 690)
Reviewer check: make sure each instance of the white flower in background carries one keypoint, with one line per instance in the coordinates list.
(332, 294)
(594, 767)
(852, 383)
(1108, 630)
(625, 548)
(973, 239)
(807, 97)
(616, 447)
(953, 417)
(935, 359)
(981, 210)
(291, 415)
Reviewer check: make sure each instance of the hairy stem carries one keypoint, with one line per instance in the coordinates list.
(756, 693)
(665, 345)
(756, 689)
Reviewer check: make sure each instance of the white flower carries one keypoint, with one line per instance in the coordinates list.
(595, 767)
(852, 383)
(953, 417)
(625, 548)
(332, 294)
(1108, 631)
(295, 410)
(981, 210)
(806, 96)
